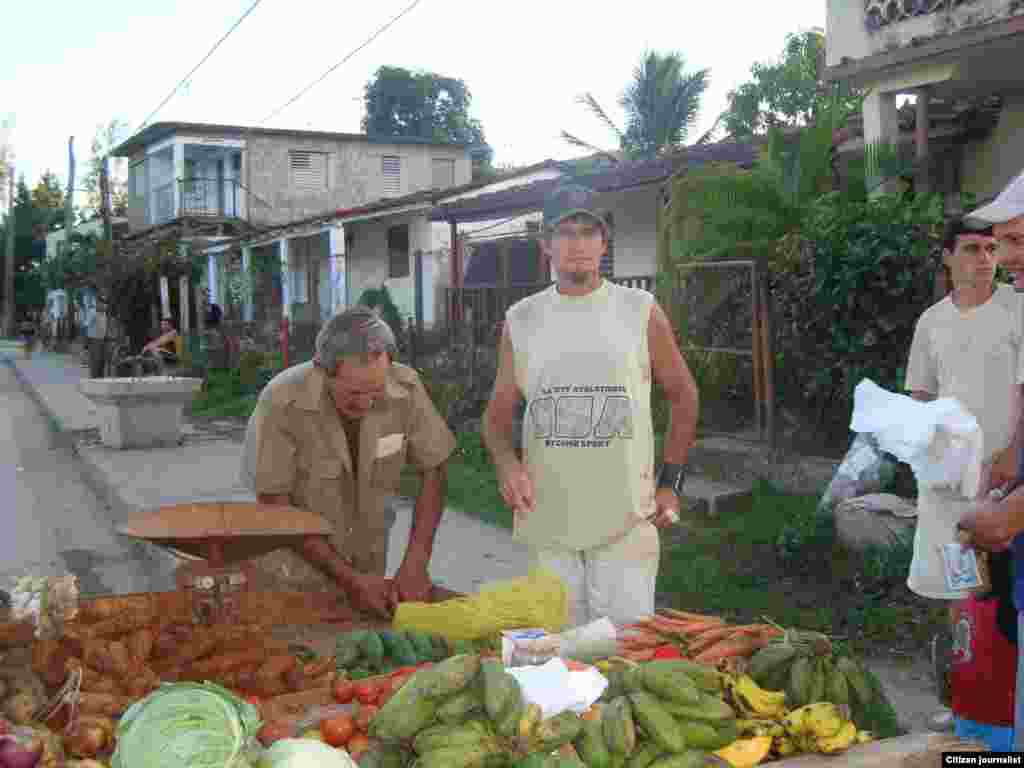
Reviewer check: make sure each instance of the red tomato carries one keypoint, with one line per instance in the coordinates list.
(366, 714)
(337, 731)
(344, 691)
(357, 745)
(274, 730)
(366, 693)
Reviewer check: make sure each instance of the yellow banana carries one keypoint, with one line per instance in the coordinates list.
(783, 746)
(863, 737)
(823, 720)
(759, 727)
(840, 742)
(531, 717)
(754, 700)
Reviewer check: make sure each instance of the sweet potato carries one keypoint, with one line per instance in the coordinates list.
(16, 634)
(92, 680)
(202, 642)
(140, 643)
(48, 661)
(135, 618)
(109, 658)
(103, 704)
(215, 667)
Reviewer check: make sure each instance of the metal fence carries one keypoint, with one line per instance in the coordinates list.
(723, 316)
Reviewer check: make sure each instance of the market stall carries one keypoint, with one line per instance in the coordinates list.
(220, 674)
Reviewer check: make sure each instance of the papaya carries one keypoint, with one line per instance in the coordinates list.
(468, 734)
(482, 756)
(706, 736)
(557, 731)
(710, 709)
(703, 676)
(499, 688)
(671, 684)
(404, 715)
(460, 706)
(450, 676)
(618, 726)
(591, 746)
(515, 710)
(656, 722)
(645, 755)
(691, 758)
(746, 753)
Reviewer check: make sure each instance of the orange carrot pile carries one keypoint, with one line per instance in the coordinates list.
(705, 639)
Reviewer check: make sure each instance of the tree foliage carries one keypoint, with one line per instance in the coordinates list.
(48, 201)
(106, 139)
(789, 92)
(662, 102)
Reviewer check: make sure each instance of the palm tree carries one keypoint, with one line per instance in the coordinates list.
(661, 102)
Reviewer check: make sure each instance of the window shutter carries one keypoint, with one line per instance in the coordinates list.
(308, 169)
(391, 169)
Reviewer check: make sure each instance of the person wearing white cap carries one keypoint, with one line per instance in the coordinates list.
(999, 525)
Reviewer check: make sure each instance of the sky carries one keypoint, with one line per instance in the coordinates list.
(74, 66)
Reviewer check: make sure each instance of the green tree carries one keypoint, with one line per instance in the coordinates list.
(48, 201)
(106, 139)
(423, 105)
(662, 103)
(790, 92)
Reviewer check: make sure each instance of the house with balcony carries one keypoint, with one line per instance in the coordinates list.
(943, 80)
(218, 184)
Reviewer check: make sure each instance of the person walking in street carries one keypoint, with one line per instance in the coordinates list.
(999, 525)
(582, 353)
(332, 436)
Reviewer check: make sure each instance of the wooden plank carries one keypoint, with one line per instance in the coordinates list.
(916, 750)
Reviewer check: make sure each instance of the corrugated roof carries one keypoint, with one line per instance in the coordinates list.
(530, 197)
(158, 131)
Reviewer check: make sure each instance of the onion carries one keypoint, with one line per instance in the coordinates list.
(16, 754)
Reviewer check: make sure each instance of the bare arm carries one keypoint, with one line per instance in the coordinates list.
(674, 376)
(921, 396)
(499, 419)
(426, 517)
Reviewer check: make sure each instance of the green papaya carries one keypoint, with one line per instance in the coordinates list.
(591, 746)
(372, 648)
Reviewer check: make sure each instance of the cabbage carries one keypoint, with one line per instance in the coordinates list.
(305, 753)
(186, 725)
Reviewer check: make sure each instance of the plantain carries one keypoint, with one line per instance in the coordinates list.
(838, 688)
(798, 688)
(753, 700)
(644, 756)
(710, 709)
(839, 742)
(618, 726)
(822, 720)
(859, 687)
(703, 676)
(768, 663)
(819, 680)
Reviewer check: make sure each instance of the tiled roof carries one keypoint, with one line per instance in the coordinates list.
(530, 197)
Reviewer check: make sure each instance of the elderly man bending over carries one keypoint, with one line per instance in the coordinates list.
(332, 436)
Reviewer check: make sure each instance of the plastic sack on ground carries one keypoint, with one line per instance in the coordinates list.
(865, 469)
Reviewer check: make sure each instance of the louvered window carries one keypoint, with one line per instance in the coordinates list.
(309, 169)
(391, 169)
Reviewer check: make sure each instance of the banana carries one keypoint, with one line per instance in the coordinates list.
(855, 677)
(759, 727)
(753, 700)
(863, 737)
(531, 717)
(840, 742)
(838, 688)
(784, 746)
(819, 679)
(768, 660)
(822, 720)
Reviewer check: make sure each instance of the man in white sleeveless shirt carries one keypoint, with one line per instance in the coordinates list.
(582, 354)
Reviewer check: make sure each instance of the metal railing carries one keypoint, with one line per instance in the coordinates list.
(213, 198)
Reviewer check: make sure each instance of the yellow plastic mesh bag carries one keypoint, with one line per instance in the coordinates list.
(540, 599)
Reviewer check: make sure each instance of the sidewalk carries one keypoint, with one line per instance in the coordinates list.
(205, 467)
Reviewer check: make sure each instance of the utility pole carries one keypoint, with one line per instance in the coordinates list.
(69, 199)
(108, 234)
(9, 260)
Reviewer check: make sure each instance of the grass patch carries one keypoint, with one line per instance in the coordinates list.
(472, 484)
(224, 397)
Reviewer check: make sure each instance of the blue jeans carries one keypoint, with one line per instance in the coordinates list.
(998, 738)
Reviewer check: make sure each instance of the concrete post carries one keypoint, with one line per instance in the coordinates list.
(179, 174)
(881, 123)
(247, 308)
(183, 305)
(286, 278)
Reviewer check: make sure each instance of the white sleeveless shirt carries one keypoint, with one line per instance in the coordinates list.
(583, 365)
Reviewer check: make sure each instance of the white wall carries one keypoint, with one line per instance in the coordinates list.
(635, 219)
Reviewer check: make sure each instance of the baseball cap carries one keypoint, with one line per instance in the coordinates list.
(569, 200)
(1006, 207)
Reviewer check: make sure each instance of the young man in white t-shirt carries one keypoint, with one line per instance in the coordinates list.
(965, 346)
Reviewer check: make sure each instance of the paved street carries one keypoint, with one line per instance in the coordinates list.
(54, 523)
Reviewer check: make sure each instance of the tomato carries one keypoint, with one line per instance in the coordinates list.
(385, 688)
(366, 714)
(366, 693)
(274, 730)
(344, 691)
(357, 745)
(337, 730)
(668, 652)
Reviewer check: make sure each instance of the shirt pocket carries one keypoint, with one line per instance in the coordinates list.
(388, 461)
(323, 492)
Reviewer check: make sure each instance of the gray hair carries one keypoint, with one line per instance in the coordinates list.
(354, 333)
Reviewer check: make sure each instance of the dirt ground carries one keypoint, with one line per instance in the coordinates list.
(908, 684)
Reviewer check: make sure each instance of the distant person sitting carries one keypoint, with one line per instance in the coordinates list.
(213, 316)
(164, 344)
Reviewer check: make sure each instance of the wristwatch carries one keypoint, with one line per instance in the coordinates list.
(672, 476)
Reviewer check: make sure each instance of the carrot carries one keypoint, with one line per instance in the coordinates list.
(214, 667)
(708, 638)
(575, 666)
(742, 645)
(638, 655)
(696, 627)
(687, 616)
(669, 627)
(641, 643)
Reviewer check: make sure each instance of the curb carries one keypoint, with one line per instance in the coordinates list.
(94, 478)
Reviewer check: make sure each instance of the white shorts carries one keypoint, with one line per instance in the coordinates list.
(616, 581)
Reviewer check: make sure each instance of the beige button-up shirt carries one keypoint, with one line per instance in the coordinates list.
(296, 444)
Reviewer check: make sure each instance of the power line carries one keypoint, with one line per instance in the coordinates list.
(316, 82)
(185, 79)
